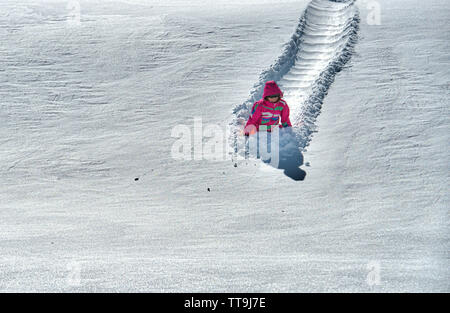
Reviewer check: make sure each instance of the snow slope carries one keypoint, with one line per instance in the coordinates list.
(86, 108)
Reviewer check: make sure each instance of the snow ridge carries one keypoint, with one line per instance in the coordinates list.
(319, 48)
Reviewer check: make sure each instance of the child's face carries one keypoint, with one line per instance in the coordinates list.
(273, 100)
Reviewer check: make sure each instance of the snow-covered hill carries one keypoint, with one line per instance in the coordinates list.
(91, 198)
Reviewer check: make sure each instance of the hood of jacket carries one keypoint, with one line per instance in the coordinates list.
(271, 88)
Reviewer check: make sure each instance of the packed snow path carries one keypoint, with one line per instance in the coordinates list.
(320, 47)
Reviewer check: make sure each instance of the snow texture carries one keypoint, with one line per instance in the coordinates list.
(92, 200)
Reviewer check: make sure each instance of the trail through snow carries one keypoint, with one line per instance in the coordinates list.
(320, 47)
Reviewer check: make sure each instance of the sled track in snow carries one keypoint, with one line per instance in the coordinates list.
(321, 45)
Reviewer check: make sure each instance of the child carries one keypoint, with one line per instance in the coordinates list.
(266, 112)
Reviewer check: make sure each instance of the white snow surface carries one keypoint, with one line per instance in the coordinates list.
(88, 107)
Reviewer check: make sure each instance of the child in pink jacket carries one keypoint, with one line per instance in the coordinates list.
(267, 112)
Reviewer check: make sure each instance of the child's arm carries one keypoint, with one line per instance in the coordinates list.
(253, 121)
(285, 121)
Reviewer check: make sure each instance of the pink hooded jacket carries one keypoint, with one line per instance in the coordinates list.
(265, 115)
